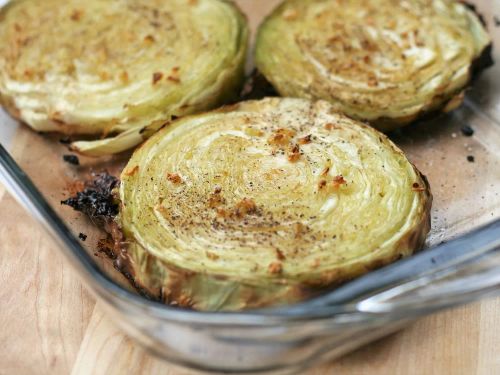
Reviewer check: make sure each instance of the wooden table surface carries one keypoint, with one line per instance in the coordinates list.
(49, 323)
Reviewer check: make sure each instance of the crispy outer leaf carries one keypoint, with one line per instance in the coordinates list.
(383, 61)
(118, 68)
(267, 202)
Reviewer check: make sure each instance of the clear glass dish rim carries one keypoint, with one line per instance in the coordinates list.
(23, 189)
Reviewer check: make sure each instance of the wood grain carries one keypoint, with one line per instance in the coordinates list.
(49, 324)
(44, 310)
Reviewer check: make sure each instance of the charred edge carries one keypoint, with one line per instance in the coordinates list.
(96, 200)
(483, 62)
(257, 87)
(106, 247)
(486, 59)
(473, 8)
(143, 292)
(427, 209)
(71, 159)
(65, 140)
(121, 263)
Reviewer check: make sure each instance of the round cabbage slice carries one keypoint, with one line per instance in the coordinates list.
(383, 61)
(119, 69)
(266, 203)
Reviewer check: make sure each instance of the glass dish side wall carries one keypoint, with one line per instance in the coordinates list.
(296, 337)
(466, 196)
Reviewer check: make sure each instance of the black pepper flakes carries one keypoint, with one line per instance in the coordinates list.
(71, 159)
(467, 131)
(471, 159)
(82, 236)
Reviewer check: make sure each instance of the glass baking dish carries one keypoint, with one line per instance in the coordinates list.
(461, 264)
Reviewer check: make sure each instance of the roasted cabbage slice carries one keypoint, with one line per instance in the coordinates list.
(266, 203)
(383, 61)
(118, 68)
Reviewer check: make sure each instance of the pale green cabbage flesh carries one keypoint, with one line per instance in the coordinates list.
(119, 69)
(265, 203)
(383, 61)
